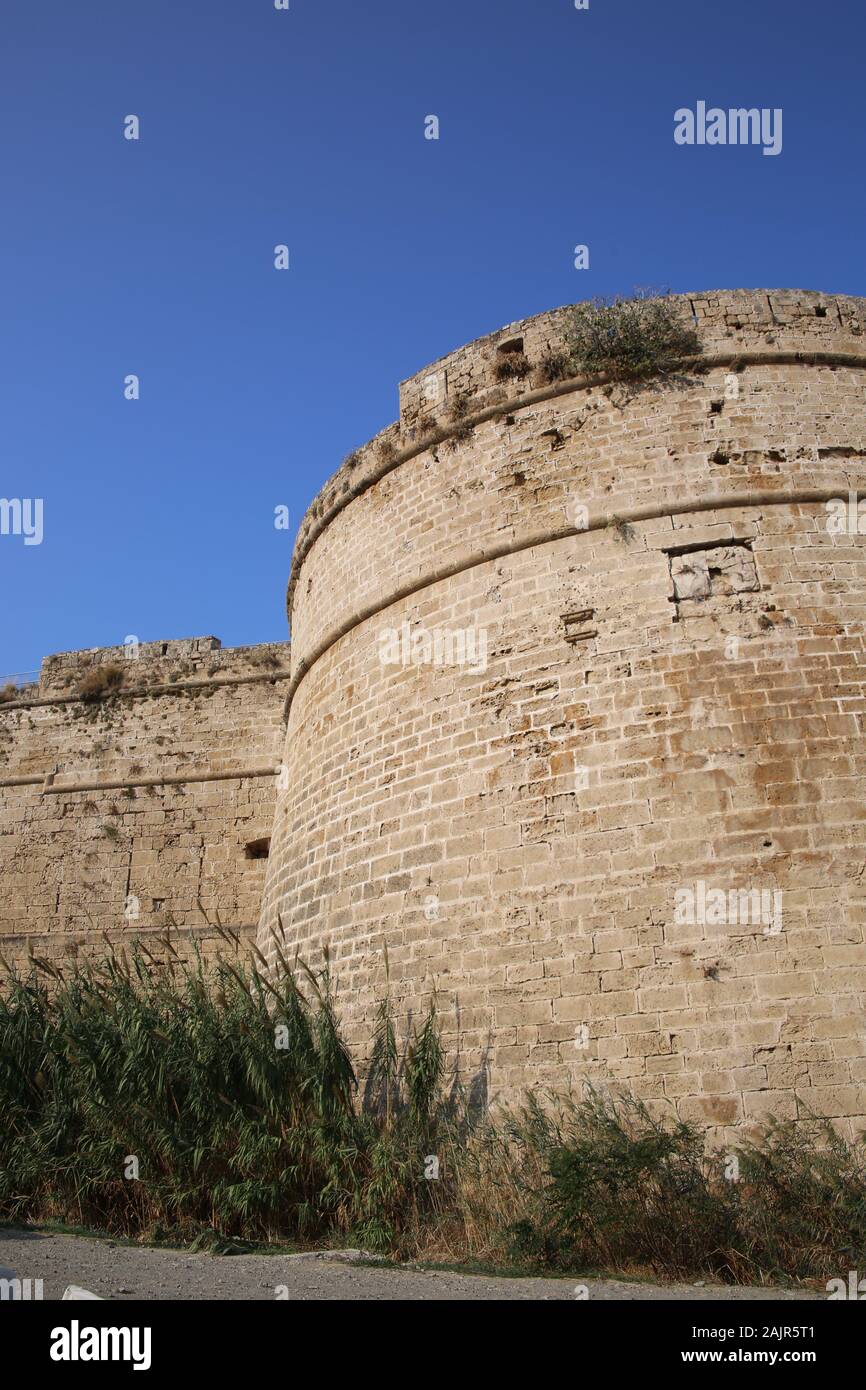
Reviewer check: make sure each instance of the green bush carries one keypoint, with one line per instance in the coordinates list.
(623, 1191)
(620, 1191)
(628, 339)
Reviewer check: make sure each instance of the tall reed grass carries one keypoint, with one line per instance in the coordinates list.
(237, 1098)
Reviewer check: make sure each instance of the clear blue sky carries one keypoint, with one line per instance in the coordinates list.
(307, 127)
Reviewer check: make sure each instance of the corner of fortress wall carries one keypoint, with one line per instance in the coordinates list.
(143, 813)
(670, 713)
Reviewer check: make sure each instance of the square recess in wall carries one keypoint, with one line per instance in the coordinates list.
(703, 572)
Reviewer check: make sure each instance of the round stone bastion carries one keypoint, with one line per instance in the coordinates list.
(575, 728)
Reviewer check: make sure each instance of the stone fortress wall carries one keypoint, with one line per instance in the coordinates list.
(144, 811)
(658, 701)
(670, 709)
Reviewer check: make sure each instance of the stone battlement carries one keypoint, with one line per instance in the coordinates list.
(137, 786)
(147, 664)
(448, 395)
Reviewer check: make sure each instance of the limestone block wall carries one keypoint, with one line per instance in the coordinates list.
(658, 705)
(142, 810)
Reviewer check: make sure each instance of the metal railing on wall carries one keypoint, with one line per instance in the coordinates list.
(18, 678)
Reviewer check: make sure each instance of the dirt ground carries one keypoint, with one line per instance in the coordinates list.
(124, 1272)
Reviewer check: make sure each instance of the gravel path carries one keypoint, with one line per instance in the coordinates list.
(123, 1272)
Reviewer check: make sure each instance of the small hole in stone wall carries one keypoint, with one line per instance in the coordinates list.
(820, 311)
(513, 345)
(158, 904)
(716, 407)
(258, 849)
(164, 649)
(720, 458)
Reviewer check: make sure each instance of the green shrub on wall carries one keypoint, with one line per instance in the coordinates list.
(629, 339)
